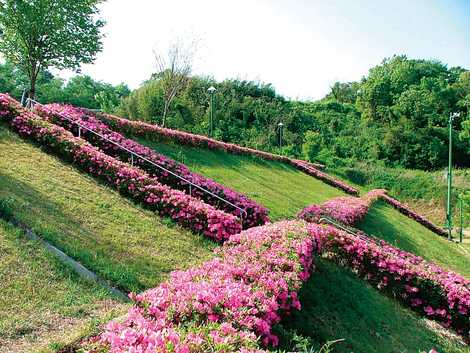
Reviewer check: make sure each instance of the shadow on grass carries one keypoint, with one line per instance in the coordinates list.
(99, 250)
(378, 224)
(338, 305)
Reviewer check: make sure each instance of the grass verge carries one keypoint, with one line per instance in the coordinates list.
(387, 223)
(338, 305)
(40, 297)
(121, 242)
(277, 186)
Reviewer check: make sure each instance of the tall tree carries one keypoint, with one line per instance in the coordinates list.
(40, 34)
(173, 70)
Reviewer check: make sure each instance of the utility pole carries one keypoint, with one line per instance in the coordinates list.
(449, 178)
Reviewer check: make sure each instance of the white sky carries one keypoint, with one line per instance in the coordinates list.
(301, 47)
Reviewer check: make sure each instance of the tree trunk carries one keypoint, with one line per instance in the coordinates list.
(165, 112)
(32, 82)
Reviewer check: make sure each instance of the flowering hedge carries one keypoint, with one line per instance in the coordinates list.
(255, 213)
(312, 171)
(228, 304)
(153, 132)
(183, 209)
(413, 215)
(347, 210)
(438, 294)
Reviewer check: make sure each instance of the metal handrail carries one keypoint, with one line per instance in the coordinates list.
(132, 153)
(331, 221)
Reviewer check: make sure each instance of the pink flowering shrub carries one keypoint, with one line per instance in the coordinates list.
(309, 169)
(438, 294)
(413, 215)
(183, 209)
(227, 304)
(255, 213)
(347, 210)
(153, 132)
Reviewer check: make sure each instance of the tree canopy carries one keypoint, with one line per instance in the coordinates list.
(397, 114)
(39, 34)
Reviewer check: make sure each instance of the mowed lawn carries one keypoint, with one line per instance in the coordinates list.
(338, 305)
(131, 247)
(40, 298)
(277, 186)
(387, 223)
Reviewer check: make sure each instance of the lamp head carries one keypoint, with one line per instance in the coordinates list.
(211, 89)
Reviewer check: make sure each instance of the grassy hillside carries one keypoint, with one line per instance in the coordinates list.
(423, 191)
(279, 187)
(131, 247)
(401, 231)
(336, 305)
(135, 249)
(40, 297)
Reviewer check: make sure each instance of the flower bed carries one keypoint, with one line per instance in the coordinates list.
(438, 294)
(347, 210)
(183, 209)
(328, 179)
(228, 304)
(255, 213)
(157, 133)
(413, 215)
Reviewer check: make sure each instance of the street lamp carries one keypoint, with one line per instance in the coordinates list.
(280, 125)
(211, 91)
(461, 216)
(452, 116)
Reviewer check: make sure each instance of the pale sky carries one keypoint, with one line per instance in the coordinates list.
(299, 46)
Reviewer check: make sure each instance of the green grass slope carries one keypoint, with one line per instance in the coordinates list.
(336, 305)
(39, 296)
(120, 241)
(277, 186)
(387, 223)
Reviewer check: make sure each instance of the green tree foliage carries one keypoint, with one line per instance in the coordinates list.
(398, 114)
(312, 145)
(80, 90)
(39, 34)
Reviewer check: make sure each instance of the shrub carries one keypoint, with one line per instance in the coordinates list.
(255, 213)
(430, 290)
(183, 209)
(347, 210)
(225, 304)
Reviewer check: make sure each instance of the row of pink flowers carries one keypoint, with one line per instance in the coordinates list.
(228, 304)
(139, 128)
(347, 210)
(309, 169)
(413, 215)
(430, 290)
(255, 213)
(182, 208)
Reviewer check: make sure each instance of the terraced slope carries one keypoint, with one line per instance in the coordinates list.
(387, 223)
(277, 186)
(123, 243)
(40, 298)
(337, 305)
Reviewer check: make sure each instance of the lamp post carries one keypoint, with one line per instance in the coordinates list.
(211, 91)
(280, 126)
(449, 177)
(461, 216)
